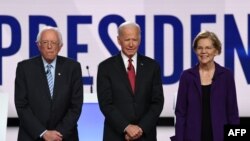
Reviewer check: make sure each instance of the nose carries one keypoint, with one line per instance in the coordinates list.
(130, 43)
(49, 45)
(203, 50)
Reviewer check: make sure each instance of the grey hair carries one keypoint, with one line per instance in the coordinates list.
(128, 24)
(38, 38)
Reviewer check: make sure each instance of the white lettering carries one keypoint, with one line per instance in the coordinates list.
(243, 131)
(231, 132)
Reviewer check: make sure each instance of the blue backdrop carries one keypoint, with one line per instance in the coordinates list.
(90, 124)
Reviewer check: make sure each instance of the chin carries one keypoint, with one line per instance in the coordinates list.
(50, 59)
(205, 63)
(131, 53)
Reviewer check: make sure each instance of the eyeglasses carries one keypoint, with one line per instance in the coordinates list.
(47, 43)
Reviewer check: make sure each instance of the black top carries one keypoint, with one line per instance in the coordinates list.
(206, 125)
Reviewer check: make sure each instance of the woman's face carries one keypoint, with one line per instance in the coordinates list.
(205, 51)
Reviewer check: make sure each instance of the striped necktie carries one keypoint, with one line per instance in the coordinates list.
(50, 79)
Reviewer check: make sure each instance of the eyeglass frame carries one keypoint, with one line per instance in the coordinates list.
(49, 43)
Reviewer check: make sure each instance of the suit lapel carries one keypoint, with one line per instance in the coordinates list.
(119, 65)
(218, 71)
(58, 76)
(139, 72)
(44, 82)
(197, 80)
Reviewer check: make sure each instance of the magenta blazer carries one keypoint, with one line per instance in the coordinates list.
(224, 109)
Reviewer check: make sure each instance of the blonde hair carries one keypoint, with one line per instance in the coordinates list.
(208, 34)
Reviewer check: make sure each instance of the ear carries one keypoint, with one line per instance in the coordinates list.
(139, 40)
(216, 52)
(195, 51)
(118, 40)
(38, 45)
(60, 48)
(61, 45)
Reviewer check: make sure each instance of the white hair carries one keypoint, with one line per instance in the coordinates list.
(128, 24)
(38, 38)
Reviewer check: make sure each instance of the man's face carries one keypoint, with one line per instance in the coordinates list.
(129, 40)
(49, 45)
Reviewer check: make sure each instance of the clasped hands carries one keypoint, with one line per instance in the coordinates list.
(133, 132)
(52, 135)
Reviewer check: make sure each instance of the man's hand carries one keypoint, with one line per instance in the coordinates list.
(133, 132)
(52, 135)
(127, 138)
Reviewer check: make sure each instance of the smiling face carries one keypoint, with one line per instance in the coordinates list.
(129, 39)
(205, 51)
(49, 45)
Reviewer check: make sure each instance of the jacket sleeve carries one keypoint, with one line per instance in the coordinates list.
(104, 92)
(232, 107)
(149, 120)
(69, 121)
(28, 121)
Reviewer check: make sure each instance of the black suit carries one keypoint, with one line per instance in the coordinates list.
(36, 110)
(118, 103)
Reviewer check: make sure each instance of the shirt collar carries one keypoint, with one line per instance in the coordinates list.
(53, 63)
(125, 58)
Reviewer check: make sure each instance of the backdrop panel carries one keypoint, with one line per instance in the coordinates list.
(90, 28)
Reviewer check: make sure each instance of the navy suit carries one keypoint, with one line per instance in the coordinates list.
(224, 109)
(118, 103)
(35, 108)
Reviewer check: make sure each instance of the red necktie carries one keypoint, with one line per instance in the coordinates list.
(131, 74)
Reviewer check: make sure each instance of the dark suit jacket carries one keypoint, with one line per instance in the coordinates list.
(118, 103)
(35, 108)
(224, 109)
